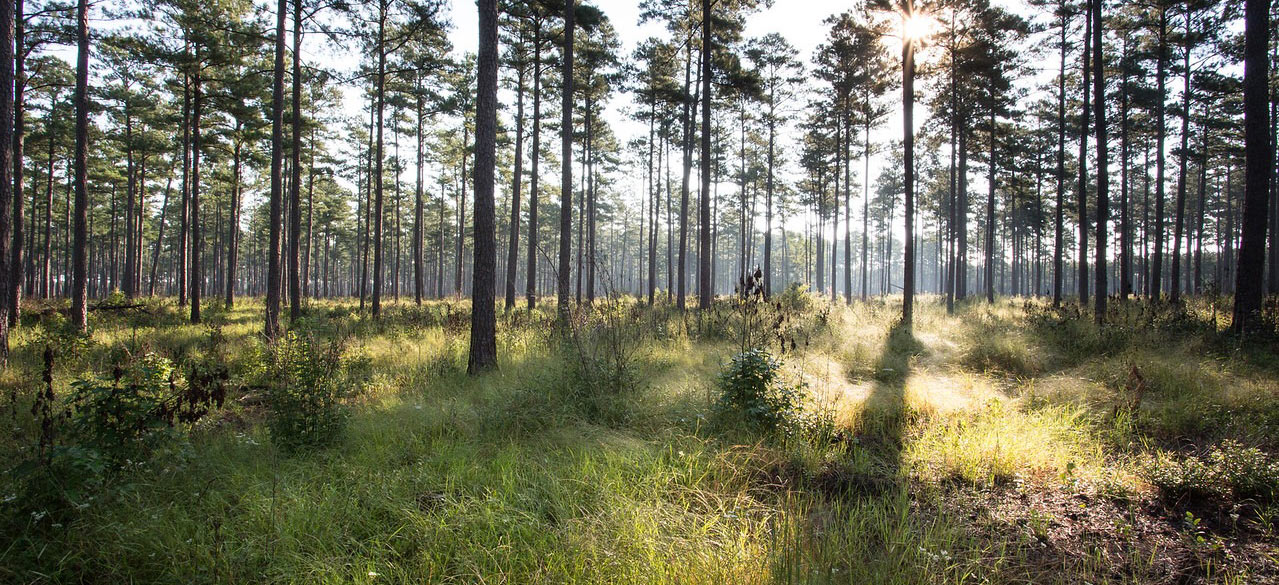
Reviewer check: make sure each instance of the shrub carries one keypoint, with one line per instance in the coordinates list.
(796, 298)
(306, 383)
(123, 417)
(1228, 473)
(752, 391)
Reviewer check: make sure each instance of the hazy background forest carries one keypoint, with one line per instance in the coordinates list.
(686, 291)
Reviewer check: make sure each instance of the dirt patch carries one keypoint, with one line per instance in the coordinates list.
(1062, 531)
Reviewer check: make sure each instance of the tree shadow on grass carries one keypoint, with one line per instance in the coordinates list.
(860, 527)
(874, 464)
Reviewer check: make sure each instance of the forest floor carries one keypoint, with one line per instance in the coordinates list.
(1007, 443)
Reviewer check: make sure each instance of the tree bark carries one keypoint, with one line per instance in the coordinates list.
(531, 276)
(233, 225)
(273, 288)
(1183, 164)
(1103, 180)
(704, 293)
(377, 178)
(79, 252)
(418, 267)
(1258, 155)
(1083, 159)
(483, 354)
(1059, 250)
(513, 245)
(8, 286)
(197, 268)
(1161, 69)
(908, 175)
(19, 141)
(566, 169)
(295, 168)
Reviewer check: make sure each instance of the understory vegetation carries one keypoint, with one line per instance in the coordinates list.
(786, 440)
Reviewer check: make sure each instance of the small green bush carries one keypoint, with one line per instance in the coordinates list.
(752, 390)
(1228, 473)
(124, 417)
(306, 383)
(796, 298)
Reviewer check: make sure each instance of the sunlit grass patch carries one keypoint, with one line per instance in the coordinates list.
(1000, 442)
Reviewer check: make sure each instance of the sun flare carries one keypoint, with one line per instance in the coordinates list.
(916, 26)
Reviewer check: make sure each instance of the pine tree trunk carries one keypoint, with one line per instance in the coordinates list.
(197, 240)
(273, 289)
(378, 175)
(1084, 120)
(80, 252)
(1161, 73)
(19, 137)
(704, 293)
(295, 167)
(566, 167)
(1059, 243)
(530, 289)
(233, 225)
(418, 267)
(1182, 164)
(513, 245)
(908, 167)
(483, 354)
(686, 144)
(8, 285)
(1259, 154)
(1103, 179)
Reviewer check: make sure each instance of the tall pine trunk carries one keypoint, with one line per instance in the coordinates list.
(1161, 74)
(273, 288)
(513, 245)
(377, 178)
(1084, 120)
(1182, 164)
(19, 137)
(704, 293)
(197, 268)
(483, 354)
(295, 167)
(566, 168)
(1059, 249)
(79, 251)
(908, 163)
(531, 275)
(1258, 156)
(7, 283)
(1103, 180)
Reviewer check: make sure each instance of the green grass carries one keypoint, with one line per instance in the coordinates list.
(963, 452)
